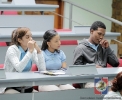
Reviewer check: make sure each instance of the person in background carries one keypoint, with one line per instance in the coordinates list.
(20, 55)
(95, 49)
(55, 59)
(116, 89)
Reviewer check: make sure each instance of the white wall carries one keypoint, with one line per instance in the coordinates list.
(100, 6)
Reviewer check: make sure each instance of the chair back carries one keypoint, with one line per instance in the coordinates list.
(34, 68)
(120, 64)
(3, 44)
(10, 13)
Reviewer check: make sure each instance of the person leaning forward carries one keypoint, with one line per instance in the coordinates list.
(95, 49)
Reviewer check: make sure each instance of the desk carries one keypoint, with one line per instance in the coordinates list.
(31, 79)
(35, 7)
(28, 20)
(38, 36)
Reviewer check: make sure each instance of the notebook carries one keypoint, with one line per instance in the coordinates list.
(83, 69)
(53, 72)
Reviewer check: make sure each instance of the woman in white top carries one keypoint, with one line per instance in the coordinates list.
(116, 89)
(21, 54)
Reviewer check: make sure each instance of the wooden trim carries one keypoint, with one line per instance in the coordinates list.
(61, 12)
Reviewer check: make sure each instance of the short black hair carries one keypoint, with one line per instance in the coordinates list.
(97, 24)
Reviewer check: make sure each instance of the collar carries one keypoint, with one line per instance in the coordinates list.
(21, 49)
(50, 53)
(91, 43)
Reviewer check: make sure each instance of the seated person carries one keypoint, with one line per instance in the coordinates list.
(95, 49)
(20, 55)
(55, 59)
(116, 89)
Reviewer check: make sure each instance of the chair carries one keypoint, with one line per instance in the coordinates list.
(120, 64)
(69, 42)
(3, 44)
(10, 13)
(34, 68)
(1, 65)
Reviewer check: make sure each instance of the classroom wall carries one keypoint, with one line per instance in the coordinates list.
(86, 18)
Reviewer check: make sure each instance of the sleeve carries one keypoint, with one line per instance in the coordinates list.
(13, 57)
(39, 60)
(112, 58)
(78, 56)
(63, 56)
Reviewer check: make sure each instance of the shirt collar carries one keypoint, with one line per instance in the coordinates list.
(21, 49)
(50, 53)
(92, 44)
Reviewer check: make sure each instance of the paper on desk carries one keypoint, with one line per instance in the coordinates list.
(54, 72)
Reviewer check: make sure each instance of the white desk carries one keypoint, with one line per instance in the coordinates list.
(30, 21)
(31, 79)
(36, 7)
(38, 36)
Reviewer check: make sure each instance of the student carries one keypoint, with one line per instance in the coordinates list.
(55, 59)
(95, 49)
(116, 89)
(21, 54)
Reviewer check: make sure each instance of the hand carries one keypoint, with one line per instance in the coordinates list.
(37, 47)
(104, 43)
(30, 45)
(97, 66)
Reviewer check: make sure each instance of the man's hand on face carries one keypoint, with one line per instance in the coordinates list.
(104, 43)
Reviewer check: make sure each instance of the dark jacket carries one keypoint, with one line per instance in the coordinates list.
(84, 54)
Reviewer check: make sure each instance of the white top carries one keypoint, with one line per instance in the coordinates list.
(113, 96)
(13, 64)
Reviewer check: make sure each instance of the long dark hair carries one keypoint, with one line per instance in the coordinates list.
(117, 83)
(48, 35)
(18, 33)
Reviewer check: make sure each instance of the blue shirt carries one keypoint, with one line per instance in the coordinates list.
(54, 60)
(93, 46)
(29, 64)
